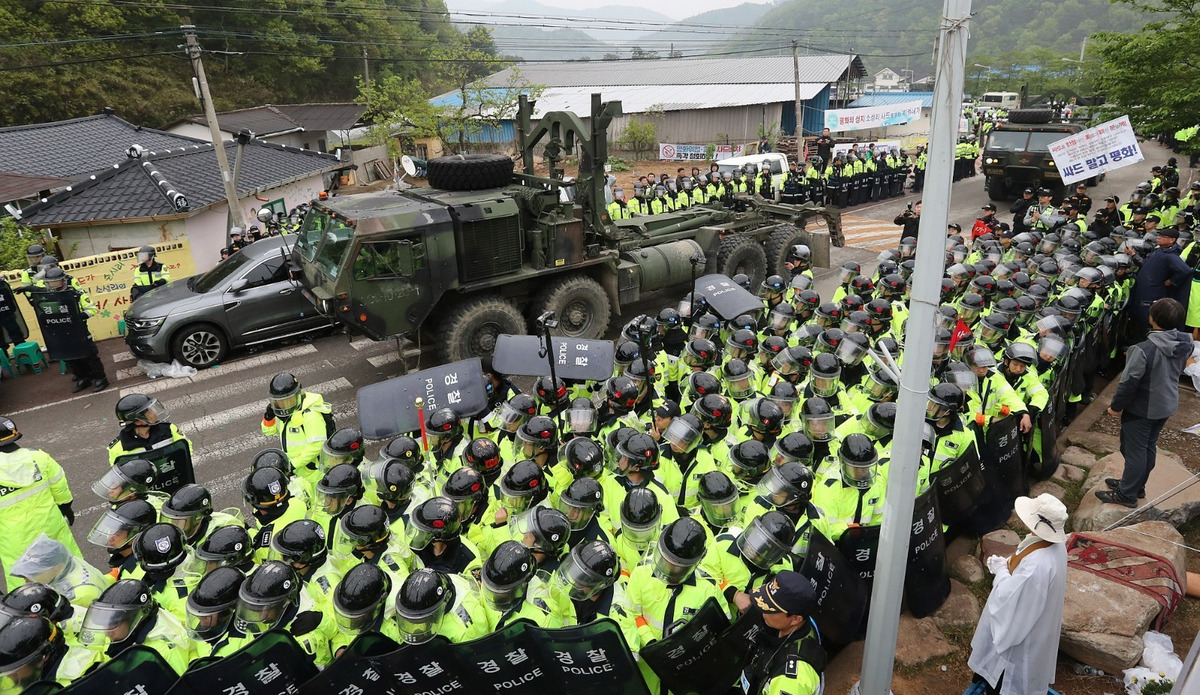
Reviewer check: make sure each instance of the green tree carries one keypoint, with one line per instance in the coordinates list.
(639, 53)
(14, 239)
(639, 137)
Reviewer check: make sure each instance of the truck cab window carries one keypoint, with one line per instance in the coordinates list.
(389, 259)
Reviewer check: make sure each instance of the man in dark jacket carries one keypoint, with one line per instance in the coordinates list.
(1019, 207)
(1147, 395)
(910, 219)
(1164, 274)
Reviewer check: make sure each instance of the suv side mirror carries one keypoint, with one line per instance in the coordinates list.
(239, 285)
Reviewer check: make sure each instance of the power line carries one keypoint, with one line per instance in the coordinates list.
(11, 68)
(91, 39)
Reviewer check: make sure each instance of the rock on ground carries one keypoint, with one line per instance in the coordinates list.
(1002, 542)
(967, 568)
(1098, 443)
(1103, 621)
(961, 545)
(961, 610)
(1176, 508)
(1068, 474)
(1078, 457)
(1048, 486)
(919, 641)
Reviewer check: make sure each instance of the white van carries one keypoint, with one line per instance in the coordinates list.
(1000, 100)
(776, 160)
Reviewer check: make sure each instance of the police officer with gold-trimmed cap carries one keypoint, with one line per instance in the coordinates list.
(787, 657)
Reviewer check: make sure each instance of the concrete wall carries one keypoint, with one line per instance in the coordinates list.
(366, 154)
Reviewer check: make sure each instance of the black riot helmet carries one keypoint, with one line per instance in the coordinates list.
(668, 318)
(34, 599)
(272, 458)
(766, 539)
(483, 455)
(363, 529)
(640, 516)
(338, 487)
(160, 548)
(621, 393)
(505, 575)
(793, 446)
(226, 546)
(701, 384)
(212, 603)
(125, 480)
(116, 614)
(265, 488)
(543, 529)
(435, 519)
(392, 480)
(580, 502)
(858, 459)
(945, 399)
(345, 445)
(539, 431)
(718, 498)
(738, 377)
(405, 449)
(422, 601)
(679, 550)
(302, 542)
(589, 569)
(551, 392)
(265, 596)
(285, 394)
(764, 416)
(700, 352)
(880, 420)
(467, 488)
(26, 644)
(818, 419)
(584, 457)
(137, 408)
(786, 485)
(118, 527)
(522, 486)
(188, 508)
(443, 423)
(360, 597)
(640, 450)
(749, 460)
(580, 418)
(8, 431)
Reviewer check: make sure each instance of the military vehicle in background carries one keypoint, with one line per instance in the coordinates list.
(485, 249)
(1016, 154)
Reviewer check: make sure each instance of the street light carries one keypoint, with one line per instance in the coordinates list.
(989, 68)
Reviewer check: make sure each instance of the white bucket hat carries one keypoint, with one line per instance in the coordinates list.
(1045, 515)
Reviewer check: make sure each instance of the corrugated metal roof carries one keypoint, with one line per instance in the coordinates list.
(893, 98)
(640, 98)
(822, 69)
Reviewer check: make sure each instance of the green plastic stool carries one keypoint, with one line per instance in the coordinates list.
(28, 354)
(5, 365)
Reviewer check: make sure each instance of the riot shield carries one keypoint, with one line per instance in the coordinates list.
(1003, 473)
(173, 463)
(959, 486)
(591, 659)
(138, 669)
(64, 327)
(859, 545)
(372, 665)
(690, 660)
(12, 324)
(272, 663)
(388, 408)
(574, 358)
(926, 584)
(841, 595)
(727, 299)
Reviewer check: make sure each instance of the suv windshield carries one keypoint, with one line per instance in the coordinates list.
(1007, 141)
(222, 270)
(323, 240)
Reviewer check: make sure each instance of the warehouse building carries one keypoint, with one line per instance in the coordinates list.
(691, 100)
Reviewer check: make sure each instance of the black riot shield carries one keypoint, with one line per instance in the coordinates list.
(574, 358)
(591, 659)
(1003, 475)
(272, 663)
(926, 584)
(1044, 462)
(727, 299)
(138, 670)
(959, 486)
(173, 463)
(841, 595)
(389, 408)
(859, 545)
(64, 327)
(690, 660)
(372, 665)
(12, 325)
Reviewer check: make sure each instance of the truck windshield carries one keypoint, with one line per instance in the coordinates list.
(1007, 141)
(323, 240)
(1040, 142)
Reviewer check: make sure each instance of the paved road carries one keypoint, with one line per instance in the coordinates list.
(220, 408)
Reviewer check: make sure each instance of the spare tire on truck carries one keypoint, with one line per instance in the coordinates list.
(1030, 116)
(470, 172)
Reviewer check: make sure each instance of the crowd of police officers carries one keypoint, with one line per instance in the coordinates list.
(699, 470)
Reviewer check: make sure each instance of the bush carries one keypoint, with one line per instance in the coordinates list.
(14, 239)
(1161, 686)
(618, 164)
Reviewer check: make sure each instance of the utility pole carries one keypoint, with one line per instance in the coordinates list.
(366, 70)
(799, 132)
(896, 534)
(1082, 48)
(210, 115)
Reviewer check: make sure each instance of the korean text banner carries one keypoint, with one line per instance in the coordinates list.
(1092, 152)
(671, 151)
(872, 116)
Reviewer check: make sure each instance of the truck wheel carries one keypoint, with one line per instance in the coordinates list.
(470, 172)
(1030, 116)
(778, 245)
(471, 328)
(741, 254)
(996, 188)
(579, 304)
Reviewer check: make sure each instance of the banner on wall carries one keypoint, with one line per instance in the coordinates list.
(106, 277)
(872, 116)
(694, 153)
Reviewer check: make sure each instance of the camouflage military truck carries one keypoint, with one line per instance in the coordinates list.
(486, 249)
(1016, 154)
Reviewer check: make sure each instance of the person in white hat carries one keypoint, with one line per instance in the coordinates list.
(1015, 646)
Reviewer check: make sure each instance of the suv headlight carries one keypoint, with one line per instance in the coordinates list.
(146, 324)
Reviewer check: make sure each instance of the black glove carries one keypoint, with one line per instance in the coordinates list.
(269, 413)
(68, 513)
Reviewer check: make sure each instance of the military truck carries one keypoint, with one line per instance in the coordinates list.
(1016, 154)
(485, 249)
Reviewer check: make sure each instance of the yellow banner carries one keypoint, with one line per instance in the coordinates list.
(106, 278)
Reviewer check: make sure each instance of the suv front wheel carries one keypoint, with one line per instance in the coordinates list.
(199, 345)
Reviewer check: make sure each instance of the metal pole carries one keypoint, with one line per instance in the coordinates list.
(883, 626)
(210, 114)
(796, 80)
(366, 70)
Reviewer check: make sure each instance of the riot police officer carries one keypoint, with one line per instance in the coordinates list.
(302, 421)
(148, 274)
(147, 432)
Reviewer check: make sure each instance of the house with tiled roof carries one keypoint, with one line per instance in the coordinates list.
(321, 127)
(148, 195)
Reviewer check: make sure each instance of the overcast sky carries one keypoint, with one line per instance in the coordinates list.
(675, 9)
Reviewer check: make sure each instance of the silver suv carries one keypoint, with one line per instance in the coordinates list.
(246, 299)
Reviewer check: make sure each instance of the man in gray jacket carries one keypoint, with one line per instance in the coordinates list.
(1147, 395)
